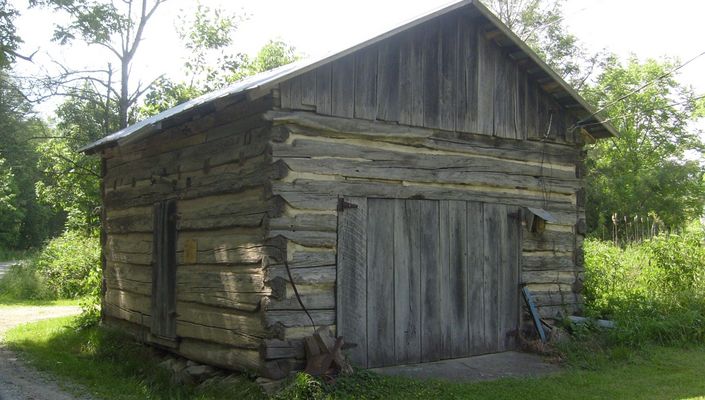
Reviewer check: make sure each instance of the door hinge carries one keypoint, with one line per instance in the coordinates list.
(343, 205)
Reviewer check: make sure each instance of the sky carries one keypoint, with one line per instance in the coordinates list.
(643, 28)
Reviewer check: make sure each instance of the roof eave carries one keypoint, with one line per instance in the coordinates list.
(604, 128)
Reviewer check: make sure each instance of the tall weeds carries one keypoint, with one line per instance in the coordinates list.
(654, 290)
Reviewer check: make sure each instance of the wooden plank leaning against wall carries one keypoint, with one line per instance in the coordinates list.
(217, 166)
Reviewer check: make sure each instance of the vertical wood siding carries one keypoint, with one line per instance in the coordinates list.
(421, 303)
(443, 74)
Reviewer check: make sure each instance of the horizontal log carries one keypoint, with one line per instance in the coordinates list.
(558, 312)
(197, 279)
(543, 262)
(369, 152)
(556, 298)
(131, 220)
(312, 275)
(298, 318)
(230, 246)
(302, 257)
(202, 125)
(203, 156)
(549, 287)
(135, 308)
(128, 285)
(273, 349)
(322, 222)
(548, 277)
(254, 173)
(247, 208)
(307, 238)
(314, 297)
(247, 253)
(219, 355)
(220, 287)
(312, 124)
(178, 181)
(549, 241)
(126, 271)
(143, 259)
(130, 243)
(118, 312)
(217, 335)
(246, 323)
(323, 195)
(414, 172)
(346, 126)
(299, 332)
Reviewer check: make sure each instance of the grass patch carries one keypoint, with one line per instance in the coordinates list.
(23, 282)
(108, 364)
(11, 302)
(659, 373)
(654, 291)
(111, 366)
(15, 255)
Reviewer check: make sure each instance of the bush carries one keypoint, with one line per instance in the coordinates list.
(655, 290)
(23, 282)
(71, 265)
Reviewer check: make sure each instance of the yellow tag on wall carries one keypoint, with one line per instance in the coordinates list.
(190, 251)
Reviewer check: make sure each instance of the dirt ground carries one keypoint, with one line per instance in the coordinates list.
(18, 381)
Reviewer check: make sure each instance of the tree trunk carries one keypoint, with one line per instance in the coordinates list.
(124, 94)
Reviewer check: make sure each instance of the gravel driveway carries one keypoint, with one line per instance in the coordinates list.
(18, 381)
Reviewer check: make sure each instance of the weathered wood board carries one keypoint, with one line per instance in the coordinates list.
(442, 279)
(443, 74)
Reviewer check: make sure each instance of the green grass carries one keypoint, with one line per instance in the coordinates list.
(113, 367)
(108, 364)
(11, 302)
(659, 373)
(15, 255)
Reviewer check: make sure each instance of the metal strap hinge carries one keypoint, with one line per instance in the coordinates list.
(343, 205)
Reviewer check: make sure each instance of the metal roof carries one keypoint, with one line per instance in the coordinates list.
(562, 91)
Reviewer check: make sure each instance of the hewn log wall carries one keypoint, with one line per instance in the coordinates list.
(218, 167)
(328, 158)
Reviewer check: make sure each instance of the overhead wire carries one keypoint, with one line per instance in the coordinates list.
(579, 124)
(617, 117)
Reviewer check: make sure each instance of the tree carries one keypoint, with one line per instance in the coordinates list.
(207, 35)
(213, 62)
(115, 26)
(72, 180)
(273, 54)
(539, 23)
(32, 222)
(8, 36)
(654, 166)
(11, 214)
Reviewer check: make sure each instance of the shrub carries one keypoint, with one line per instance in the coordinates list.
(655, 290)
(71, 265)
(23, 282)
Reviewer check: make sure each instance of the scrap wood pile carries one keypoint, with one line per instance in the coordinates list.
(324, 357)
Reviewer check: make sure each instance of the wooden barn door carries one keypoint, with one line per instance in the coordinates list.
(164, 272)
(425, 280)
